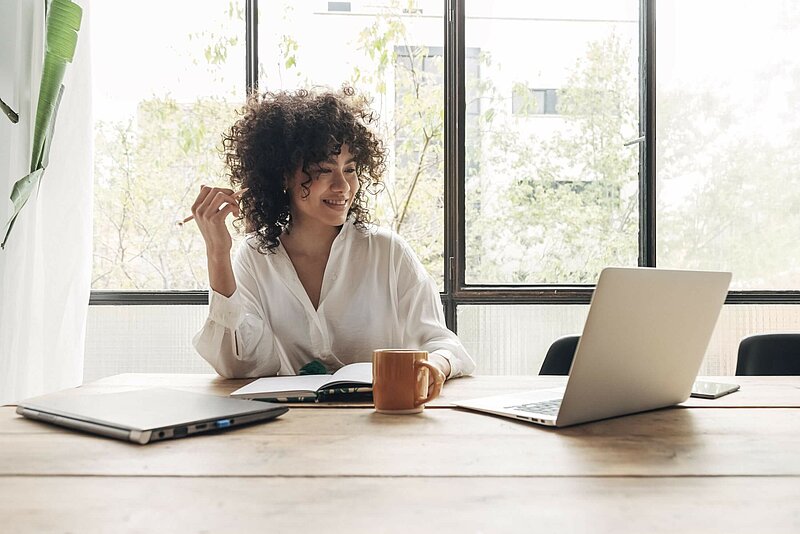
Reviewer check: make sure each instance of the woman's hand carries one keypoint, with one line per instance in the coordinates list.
(210, 210)
(441, 363)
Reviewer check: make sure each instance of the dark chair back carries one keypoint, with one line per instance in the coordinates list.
(769, 354)
(559, 356)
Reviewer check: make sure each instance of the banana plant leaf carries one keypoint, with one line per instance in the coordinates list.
(10, 113)
(61, 38)
(24, 187)
(20, 194)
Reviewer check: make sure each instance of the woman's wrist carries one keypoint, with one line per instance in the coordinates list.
(218, 253)
(220, 275)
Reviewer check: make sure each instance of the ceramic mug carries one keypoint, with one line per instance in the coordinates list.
(400, 380)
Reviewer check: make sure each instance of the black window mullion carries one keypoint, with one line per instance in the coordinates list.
(647, 119)
(251, 45)
(454, 113)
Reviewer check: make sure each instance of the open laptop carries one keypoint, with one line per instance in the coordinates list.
(146, 415)
(641, 348)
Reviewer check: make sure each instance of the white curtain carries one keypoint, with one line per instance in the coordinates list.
(45, 269)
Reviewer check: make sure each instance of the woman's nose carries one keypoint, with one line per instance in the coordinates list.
(339, 182)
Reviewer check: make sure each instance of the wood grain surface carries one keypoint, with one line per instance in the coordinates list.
(705, 466)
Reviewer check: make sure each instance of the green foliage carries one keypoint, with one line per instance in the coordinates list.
(729, 195)
(517, 231)
(413, 129)
(737, 192)
(149, 172)
(288, 48)
(222, 40)
(61, 38)
(8, 112)
(557, 209)
(552, 208)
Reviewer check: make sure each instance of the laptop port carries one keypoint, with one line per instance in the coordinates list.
(179, 431)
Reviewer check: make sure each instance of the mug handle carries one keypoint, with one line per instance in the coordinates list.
(438, 381)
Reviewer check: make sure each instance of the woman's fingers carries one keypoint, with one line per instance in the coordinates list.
(216, 201)
(204, 191)
(224, 211)
(211, 200)
(210, 208)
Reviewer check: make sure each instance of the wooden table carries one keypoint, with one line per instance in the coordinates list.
(730, 465)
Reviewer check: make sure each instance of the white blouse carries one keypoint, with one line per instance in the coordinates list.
(375, 294)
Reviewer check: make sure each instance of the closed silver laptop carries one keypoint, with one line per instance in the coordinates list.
(146, 415)
(642, 345)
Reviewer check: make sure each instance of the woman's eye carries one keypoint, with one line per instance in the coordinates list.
(350, 171)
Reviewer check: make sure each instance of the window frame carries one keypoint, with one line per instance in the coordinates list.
(456, 291)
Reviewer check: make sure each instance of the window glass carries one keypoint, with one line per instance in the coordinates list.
(393, 53)
(551, 188)
(728, 130)
(167, 77)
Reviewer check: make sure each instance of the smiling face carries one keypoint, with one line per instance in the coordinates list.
(330, 193)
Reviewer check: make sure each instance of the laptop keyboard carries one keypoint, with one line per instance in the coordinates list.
(549, 407)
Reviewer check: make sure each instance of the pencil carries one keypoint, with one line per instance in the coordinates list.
(237, 194)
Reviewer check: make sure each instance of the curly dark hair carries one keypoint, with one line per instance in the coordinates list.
(280, 132)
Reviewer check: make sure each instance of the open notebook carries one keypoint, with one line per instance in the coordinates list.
(352, 378)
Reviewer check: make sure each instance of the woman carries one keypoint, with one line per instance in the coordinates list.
(314, 280)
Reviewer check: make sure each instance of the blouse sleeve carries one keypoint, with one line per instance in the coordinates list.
(236, 338)
(421, 307)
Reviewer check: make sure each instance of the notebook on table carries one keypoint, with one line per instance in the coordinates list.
(146, 415)
(642, 345)
(352, 378)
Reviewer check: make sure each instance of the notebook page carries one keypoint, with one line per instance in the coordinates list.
(353, 373)
(269, 386)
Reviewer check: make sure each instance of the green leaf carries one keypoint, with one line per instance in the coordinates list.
(44, 157)
(63, 23)
(20, 194)
(10, 113)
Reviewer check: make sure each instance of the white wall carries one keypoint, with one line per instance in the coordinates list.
(503, 339)
(142, 339)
